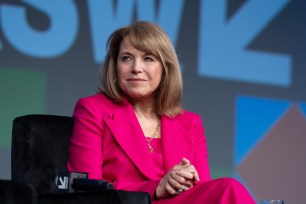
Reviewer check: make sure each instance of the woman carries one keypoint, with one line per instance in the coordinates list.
(135, 134)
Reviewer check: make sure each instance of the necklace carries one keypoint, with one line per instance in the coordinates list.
(152, 137)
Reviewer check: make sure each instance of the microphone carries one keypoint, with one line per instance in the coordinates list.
(78, 181)
(65, 179)
(84, 184)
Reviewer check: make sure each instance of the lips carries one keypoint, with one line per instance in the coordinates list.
(135, 79)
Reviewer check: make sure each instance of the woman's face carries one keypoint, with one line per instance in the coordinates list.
(139, 74)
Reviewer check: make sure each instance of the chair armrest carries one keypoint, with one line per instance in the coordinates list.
(17, 192)
(96, 197)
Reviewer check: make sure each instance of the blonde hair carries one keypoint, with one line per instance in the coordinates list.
(151, 39)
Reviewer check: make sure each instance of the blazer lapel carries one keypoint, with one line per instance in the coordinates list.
(176, 141)
(128, 133)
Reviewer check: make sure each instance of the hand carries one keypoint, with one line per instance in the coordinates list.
(180, 178)
(185, 162)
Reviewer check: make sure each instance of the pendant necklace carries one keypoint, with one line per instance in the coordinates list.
(149, 139)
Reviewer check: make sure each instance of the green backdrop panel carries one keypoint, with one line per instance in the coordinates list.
(21, 92)
(219, 172)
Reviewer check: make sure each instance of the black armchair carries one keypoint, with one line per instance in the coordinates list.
(39, 151)
(16, 193)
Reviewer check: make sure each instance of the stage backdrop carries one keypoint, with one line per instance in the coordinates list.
(243, 64)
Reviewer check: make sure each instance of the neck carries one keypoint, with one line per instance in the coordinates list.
(144, 108)
(148, 118)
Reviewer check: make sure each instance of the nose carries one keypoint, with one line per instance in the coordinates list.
(137, 66)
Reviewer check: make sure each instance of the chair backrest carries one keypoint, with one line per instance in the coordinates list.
(40, 149)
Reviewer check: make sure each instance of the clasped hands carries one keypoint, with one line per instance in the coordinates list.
(180, 178)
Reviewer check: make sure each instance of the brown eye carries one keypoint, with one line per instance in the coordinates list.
(149, 59)
(126, 58)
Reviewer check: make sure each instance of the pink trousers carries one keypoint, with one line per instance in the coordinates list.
(217, 191)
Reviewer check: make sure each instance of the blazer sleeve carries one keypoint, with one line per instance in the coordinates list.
(85, 154)
(201, 152)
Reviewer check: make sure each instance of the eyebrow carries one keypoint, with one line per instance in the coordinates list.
(129, 53)
(125, 53)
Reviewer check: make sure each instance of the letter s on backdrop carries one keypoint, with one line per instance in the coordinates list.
(56, 40)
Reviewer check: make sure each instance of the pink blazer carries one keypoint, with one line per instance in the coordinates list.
(108, 143)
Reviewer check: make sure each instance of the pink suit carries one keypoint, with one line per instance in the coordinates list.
(108, 143)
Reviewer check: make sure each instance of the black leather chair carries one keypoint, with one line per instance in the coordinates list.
(12, 192)
(39, 151)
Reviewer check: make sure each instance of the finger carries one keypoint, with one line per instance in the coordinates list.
(196, 176)
(182, 189)
(174, 183)
(177, 167)
(189, 172)
(179, 175)
(193, 170)
(183, 175)
(184, 161)
(187, 168)
(178, 182)
(170, 189)
(184, 178)
(176, 188)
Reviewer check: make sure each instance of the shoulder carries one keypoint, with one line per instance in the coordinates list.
(95, 99)
(188, 116)
(186, 119)
(95, 104)
(188, 113)
(188, 124)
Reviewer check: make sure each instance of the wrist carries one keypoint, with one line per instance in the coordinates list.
(155, 196)
(158, 193)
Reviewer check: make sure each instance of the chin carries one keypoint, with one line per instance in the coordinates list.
(137, 95)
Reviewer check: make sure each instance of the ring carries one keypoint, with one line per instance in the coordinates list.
(181, 190)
